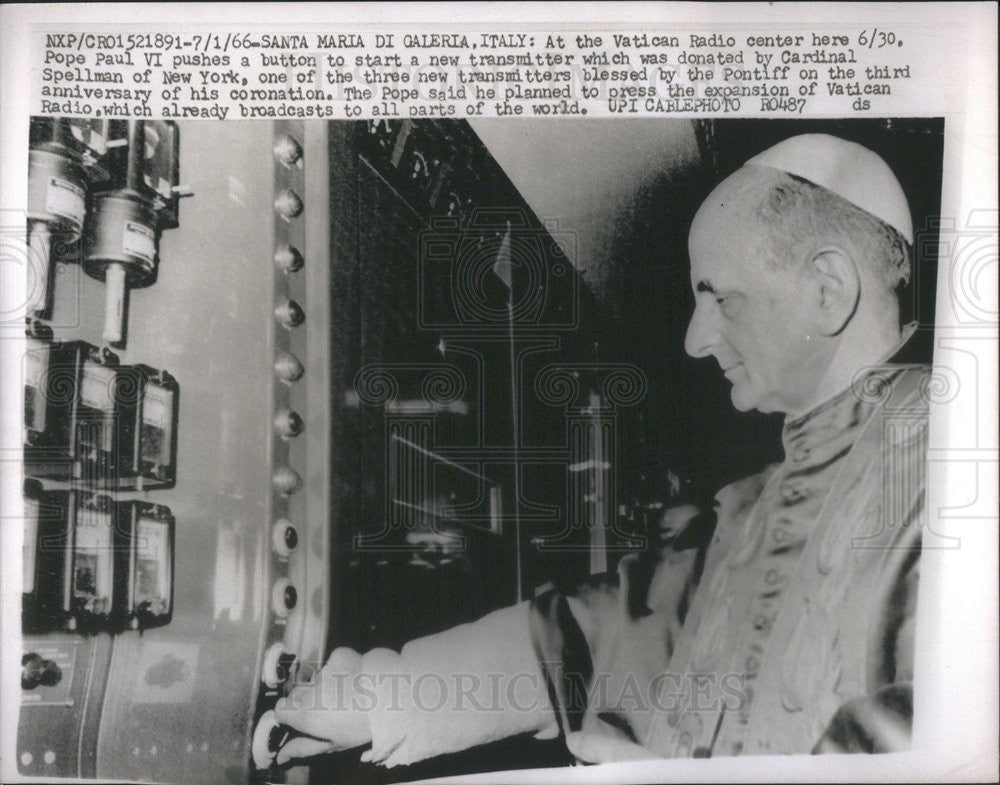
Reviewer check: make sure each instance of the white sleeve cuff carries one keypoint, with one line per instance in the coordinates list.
(469, 685)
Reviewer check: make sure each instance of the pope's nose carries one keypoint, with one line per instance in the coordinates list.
(701, 333)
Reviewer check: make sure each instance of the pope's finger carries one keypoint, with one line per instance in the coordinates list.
(889, 731)
(827, 746)
(303, 747)
(343, 660)
(304, 710)
(575, 745)
(593, 748)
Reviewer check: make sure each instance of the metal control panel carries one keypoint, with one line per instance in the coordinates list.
(226, 471)
(147, 487)
(295, 629)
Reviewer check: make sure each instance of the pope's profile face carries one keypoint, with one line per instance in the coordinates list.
(755, 320)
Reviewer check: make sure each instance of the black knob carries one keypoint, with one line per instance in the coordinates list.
(51, 674)
(286, 662)
(36, 670)
(31, 668)
(291, 597)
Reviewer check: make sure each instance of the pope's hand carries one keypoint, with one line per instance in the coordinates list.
(332, 709)
(880, 722)
(595, 748)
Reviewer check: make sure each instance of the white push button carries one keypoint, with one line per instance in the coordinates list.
(277, 666)
(260, 747)
(283, 597)
(284, 537)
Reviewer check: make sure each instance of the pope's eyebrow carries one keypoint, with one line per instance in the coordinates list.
(705, 286)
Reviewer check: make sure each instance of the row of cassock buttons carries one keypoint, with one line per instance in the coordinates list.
(287, 423)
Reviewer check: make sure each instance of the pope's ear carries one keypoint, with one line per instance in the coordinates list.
(839, 288)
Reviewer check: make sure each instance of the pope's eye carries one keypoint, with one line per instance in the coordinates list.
(726, 304)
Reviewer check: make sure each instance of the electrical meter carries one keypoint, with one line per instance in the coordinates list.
(49, 390)
(105, 417)
(45, 568)
(92, 578)
(84, 417)
(157, 464)
(144, 565)
(94, 564)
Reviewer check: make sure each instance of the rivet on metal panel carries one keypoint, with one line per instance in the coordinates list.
(289, 313)
(287, 423)
(288, 368)
(286, 480)
(288, 204)
(288, 150)
(288, 258)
